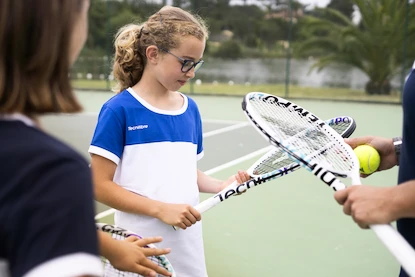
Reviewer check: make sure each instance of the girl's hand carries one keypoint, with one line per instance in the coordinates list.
(240, 177)
(179, 215)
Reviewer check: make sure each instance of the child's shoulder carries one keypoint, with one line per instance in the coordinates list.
(190, 101)
(122, 102)
(118, 99)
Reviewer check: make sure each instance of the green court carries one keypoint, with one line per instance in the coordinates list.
(288, 227)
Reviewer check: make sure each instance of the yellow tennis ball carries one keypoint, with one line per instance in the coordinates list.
(369, 158)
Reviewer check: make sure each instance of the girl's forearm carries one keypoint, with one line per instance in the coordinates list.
(207, 183)
(111, 194)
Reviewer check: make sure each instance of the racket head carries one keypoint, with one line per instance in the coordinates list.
(119, 233)
(303, 136)
(274, 121)
(277, 159)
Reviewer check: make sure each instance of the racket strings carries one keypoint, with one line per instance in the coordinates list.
(276, 160)
(340, 127)
(305, 137)
(110, 271)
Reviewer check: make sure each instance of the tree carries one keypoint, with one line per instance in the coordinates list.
(375, 46)
(97, 32)
(343, 6)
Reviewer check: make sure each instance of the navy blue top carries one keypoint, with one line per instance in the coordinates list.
(46, 201)
(406, 226)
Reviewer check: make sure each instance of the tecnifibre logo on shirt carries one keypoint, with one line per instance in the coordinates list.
(137, 127)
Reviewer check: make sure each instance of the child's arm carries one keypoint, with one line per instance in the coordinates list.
(115, 196)
(211, 185)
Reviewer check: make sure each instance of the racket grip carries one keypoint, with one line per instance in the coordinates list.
(397, 245)
(213, 201)
(207, 204)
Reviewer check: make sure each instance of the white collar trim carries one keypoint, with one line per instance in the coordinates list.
(157, 110)
(18, 117)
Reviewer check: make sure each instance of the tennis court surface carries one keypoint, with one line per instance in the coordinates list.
(288, 227)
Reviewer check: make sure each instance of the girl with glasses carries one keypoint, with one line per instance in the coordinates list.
(148, 138)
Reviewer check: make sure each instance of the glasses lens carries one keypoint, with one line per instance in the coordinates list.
(187, 65)
(198, 65)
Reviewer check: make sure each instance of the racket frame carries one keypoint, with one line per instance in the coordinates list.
(234, 188)
(393, 241)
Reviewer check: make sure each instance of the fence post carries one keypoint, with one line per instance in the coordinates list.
(108, 44)
(288, 57)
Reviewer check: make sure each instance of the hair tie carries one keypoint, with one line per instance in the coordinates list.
(141, 32)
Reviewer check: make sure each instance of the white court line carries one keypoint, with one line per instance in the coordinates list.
(104, 214)
(220, 121)
(225, 129)
(208, 172)
(238, 160)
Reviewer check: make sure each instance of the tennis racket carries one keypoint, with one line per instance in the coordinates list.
(316, 146)
(273, 164)
(120, 234)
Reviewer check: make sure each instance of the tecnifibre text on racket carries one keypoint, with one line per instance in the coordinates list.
(273, 164)
(120, 234)
(317, 147)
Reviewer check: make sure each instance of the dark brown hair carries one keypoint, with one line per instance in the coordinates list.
(35, 41)
(164, 29)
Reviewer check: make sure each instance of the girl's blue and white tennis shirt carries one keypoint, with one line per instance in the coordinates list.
(156, 152)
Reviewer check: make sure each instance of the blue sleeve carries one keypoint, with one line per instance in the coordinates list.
(200, 134)
(109, 135)
(54, 218)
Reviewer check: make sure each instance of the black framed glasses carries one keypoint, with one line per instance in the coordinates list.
(187, 65)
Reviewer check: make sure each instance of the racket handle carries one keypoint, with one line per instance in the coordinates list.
(213, 201)
(393, 240)
(397, 245)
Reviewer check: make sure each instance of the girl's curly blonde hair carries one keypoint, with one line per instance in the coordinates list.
(163, 29)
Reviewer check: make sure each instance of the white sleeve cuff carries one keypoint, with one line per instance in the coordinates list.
(104, 153)
(200, 155)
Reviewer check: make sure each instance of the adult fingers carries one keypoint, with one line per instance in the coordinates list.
(341, 196)
(354, 142)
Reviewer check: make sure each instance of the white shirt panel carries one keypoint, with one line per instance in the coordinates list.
(164, 171)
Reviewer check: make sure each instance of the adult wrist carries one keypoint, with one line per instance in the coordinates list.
(397, 142)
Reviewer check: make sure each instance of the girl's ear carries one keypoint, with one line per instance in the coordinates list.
(152, 53)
